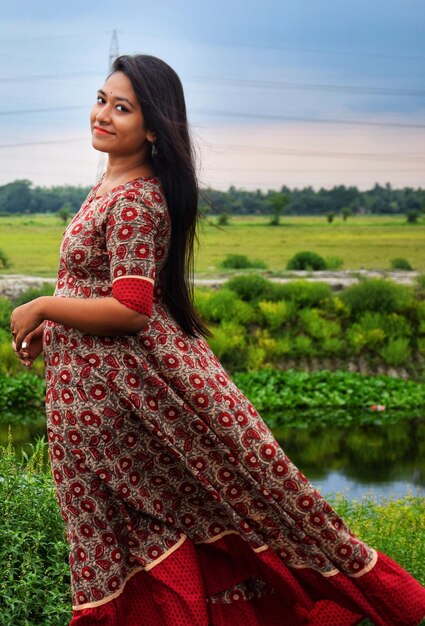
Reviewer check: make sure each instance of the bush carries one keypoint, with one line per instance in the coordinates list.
(21, 398)
(34, 292)
(5, 313)
(316, 326)
(240, 261)
(4, 260)
(223, 219)
(229, 344)
(306, 261)
(222, 305)
(251, 287)
(334, 262)
(305, 294)
(377, 295)
(33, 550)
(401, 264)
(396, 352)
(275, 314)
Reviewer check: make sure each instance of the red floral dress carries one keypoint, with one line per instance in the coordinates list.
(180, 507)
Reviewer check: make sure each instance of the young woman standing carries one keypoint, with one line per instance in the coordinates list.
(180, 507)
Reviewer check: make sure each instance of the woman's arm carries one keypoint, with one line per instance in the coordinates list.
(95, 316)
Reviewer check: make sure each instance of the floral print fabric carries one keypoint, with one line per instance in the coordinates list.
(150, 441)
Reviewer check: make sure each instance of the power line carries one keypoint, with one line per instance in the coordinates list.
(310, 119)
(289, 118)
(268, 84)
(259, 46)
(43, 110)
(31, 77)
(240, 82)
(40, 143)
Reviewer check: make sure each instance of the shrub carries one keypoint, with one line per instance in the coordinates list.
(223, 305)
(241, 261)
(334, 262)
(316, 326)
(401, 264)
(21, 398)
(34, 292)
(5, 312)
(303, 346)
(275, 314)
(305, 294)
(33, 550)
(229, 344)
(4, 260)
(306, 261)
(223, 219)
(251, 287)
(396, 352)
(377, 295)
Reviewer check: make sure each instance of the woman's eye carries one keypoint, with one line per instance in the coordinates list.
(122, 108)
(100, 100)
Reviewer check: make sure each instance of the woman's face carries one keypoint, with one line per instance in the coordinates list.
(116, 120)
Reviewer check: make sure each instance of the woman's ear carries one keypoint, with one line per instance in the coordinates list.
(150, 136)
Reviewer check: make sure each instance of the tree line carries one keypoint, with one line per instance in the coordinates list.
(21, 196)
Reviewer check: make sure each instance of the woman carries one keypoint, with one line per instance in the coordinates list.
(180, 507)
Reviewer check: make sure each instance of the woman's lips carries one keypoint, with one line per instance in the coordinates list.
(101, 131)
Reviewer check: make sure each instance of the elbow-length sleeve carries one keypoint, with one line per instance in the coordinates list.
(132, 229)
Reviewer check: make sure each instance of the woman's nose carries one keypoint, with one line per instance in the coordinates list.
(103, 114)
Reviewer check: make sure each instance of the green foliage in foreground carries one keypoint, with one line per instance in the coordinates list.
(21, 398)
(34, 571)
(295, 398)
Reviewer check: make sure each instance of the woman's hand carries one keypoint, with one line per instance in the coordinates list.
(32, 347)
(24, 320)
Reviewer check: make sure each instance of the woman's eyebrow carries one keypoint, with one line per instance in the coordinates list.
(116, 98)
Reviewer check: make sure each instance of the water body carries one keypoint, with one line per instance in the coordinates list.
(383, 461)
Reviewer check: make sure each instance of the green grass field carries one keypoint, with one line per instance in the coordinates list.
(370, 242)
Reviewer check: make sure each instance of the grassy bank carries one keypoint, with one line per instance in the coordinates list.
(32, 242)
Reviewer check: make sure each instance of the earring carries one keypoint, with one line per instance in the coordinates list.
(154, 150)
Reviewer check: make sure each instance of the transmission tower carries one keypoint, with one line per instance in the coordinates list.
(113, 54)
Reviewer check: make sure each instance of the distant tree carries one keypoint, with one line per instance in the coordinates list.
(65, 212)
(277, 202)
(412, 216)
(223, 219)
(330, 216)
(346, 212)
(16, 197)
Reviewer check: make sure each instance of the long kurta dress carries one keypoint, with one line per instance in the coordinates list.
(180, 507)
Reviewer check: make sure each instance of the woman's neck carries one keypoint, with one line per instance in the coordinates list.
(123, 169)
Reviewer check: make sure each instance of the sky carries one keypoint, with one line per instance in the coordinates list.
(306, 93)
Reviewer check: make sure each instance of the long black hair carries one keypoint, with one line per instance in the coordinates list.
(160, 94)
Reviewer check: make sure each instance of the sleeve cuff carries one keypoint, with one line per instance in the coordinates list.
(135, 292)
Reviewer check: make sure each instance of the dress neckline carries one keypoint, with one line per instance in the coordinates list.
(118, 187)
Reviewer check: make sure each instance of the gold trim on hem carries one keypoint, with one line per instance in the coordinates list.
(183, 538)
(366, 569)
(92, 605)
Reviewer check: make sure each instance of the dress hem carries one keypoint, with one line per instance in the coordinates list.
(146, 568)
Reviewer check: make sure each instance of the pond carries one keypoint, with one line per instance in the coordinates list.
(357, 460)
(385, 461)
